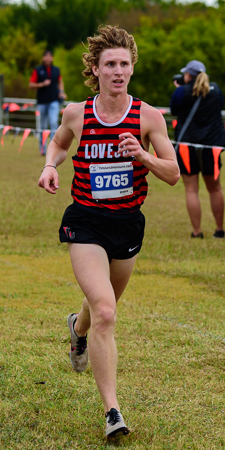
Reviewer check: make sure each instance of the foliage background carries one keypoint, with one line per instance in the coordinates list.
(168, 35)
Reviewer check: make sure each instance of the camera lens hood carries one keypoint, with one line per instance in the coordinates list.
(179, 78)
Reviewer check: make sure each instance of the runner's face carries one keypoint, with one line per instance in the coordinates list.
(114, 70)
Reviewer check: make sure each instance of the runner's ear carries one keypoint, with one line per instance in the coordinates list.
(95, 70)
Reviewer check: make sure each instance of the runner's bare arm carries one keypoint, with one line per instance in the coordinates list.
(154, 131)
(70, 128)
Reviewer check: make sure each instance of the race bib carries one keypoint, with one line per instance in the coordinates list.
(111, 180)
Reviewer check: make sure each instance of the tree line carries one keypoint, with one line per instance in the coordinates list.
(168, 35)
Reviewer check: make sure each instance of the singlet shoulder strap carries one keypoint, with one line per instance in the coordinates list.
(106, 124)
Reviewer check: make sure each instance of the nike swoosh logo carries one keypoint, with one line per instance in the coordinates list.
(131, 249)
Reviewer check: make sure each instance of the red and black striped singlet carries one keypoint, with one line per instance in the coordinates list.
(98, 150)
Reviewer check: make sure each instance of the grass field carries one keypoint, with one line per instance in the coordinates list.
(170, 329)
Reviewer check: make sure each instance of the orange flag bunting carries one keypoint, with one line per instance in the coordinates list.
(5, 129)
(45, 134)
(5, 106)
(185, 156)
(216, 153)
(174, 123)
(13, 107)
(25, 134)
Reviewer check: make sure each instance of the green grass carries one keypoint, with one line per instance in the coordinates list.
(169, 333)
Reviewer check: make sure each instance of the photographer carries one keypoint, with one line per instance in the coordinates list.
(206, 128)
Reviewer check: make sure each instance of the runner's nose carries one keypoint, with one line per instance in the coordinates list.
(118, 69)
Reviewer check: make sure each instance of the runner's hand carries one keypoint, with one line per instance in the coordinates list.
(130, 145)
(49, 180)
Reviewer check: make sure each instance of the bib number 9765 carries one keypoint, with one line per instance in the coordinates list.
(116, 180)
(111, 180)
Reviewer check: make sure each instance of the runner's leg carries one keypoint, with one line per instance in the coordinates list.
(120, 272)
(119, 281)
(92, 271)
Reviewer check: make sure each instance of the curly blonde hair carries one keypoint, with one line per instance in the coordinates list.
(109, 37)
(201, 85)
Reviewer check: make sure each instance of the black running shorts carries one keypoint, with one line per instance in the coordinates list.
(201, 160)
(120, 236)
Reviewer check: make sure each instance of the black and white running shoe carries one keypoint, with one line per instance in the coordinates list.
(115, 425)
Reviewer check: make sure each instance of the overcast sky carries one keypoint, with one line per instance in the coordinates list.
(207, 2)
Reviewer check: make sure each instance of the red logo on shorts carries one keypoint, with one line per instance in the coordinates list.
(69, 234)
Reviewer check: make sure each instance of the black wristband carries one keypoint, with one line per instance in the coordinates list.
(48, 165)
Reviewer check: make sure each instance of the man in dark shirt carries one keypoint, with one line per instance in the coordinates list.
(47, 79)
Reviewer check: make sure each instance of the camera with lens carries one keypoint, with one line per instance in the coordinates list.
(179, 78)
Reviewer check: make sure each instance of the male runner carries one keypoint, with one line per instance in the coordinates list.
(104, 226)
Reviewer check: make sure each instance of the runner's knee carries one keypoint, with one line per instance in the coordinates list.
(104, 318)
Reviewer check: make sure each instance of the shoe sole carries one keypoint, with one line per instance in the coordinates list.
(70, 353)
(117, 433)
(68, 321)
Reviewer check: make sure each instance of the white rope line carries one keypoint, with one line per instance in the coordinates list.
(33, 130)
(198, 145)
(40, 130)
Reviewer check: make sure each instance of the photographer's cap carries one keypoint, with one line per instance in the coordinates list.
(194, 68)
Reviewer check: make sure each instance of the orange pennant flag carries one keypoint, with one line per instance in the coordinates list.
(216, 153)
(4, 131)
(13, 107)
(174, 123)
(45, 134)
(185, 156)
(27, 105)
(5, 106)
(25, 134)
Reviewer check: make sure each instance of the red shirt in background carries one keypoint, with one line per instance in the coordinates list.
(34, 76)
